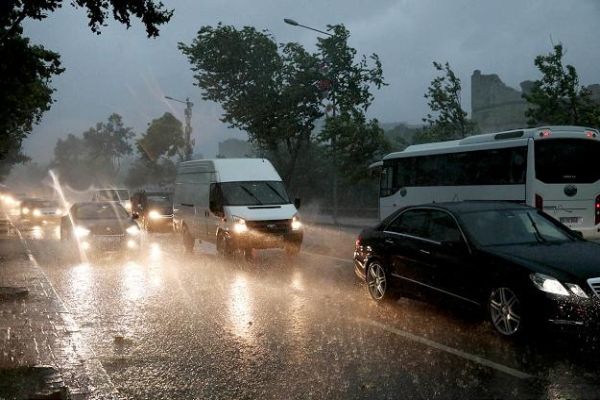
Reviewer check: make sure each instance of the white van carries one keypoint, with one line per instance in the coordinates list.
(117, 195)
(238, 204)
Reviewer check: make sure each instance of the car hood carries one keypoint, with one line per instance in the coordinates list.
(263, 213)
(105, 226)
(579, 259)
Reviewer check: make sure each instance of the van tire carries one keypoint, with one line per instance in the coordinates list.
(292, 249)
(224, 247)
(188, 240)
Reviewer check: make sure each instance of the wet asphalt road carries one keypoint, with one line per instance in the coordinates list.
(174, 326)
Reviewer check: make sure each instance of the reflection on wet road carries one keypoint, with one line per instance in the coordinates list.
(169, 325)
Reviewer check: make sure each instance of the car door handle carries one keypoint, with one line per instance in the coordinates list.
(424, 251)
(389, 241)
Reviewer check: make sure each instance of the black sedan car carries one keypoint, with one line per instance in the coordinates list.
(101, 226)
(515, 262)
(156, 211)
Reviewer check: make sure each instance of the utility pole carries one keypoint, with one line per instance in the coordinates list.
(189, 142)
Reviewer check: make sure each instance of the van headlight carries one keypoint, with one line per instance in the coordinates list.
(153, 214)
(296, 224)
(133, 230)
(80, 231)
(239, 225)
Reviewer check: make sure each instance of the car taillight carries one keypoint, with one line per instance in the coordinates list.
(597, 209)
(539, 202)
(357, 243)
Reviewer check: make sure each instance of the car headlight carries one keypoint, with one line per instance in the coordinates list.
(133, 230)
(239, 225)
(128, 205)
(153, 214)
(58, 211)
(576, 290)
(81, 231)
(296, 224)
(548, 284)
(37, 213)
(25, 210)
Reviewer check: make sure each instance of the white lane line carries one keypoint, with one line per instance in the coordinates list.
(451, 350)
(92, 366)
(346, 260)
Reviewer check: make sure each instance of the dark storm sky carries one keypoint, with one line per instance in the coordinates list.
(122, 71)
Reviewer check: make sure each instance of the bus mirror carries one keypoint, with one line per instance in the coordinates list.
(297, 203)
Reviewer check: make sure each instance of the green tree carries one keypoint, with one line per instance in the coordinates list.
(95, 157)
(264, 89)
(447, 119)
(558, 98)
(26, 70)
(163, 138)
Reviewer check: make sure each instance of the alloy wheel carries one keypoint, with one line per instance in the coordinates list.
(505, 311)
(376, 281)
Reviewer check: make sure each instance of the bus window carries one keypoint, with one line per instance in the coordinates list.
(567, 160)
(386, 182)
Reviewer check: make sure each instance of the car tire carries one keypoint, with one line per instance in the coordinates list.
(506, 312)
(224, 247)
(188, 239)
(292, 249)
(378, 281)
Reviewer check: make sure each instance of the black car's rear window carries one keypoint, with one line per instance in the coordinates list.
(100, 211)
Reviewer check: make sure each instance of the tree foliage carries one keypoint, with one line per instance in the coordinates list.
(447, 119)
(558, 98)
(95, 157)
(26, 70)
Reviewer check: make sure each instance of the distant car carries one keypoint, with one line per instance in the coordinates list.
(521, 266)
(156, 211)
(101, 226)
(40, 211)
(118, 195)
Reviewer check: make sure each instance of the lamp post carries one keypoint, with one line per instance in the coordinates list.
(333, 114)
(189, 143)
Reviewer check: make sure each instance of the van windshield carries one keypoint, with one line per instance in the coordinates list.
(254, 193)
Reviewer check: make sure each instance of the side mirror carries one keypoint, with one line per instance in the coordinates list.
(135, 216)
(579, 234)
(297, 203)
(215, 208)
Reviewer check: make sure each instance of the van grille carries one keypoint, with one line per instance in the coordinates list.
(595, 285)
(274, 227)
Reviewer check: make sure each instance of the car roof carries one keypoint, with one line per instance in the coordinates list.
(466, 206)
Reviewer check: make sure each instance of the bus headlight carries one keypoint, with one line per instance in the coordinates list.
(296, 224)
(80, 231)
(239, 225)
(153, 214)
(133, 230)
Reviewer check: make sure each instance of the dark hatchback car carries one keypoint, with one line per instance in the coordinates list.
(519, 265)
(156, 211)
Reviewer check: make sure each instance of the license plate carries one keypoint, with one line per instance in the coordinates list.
(569, 220)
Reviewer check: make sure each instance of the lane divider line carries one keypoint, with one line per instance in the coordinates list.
(93, 367)
(450, 350)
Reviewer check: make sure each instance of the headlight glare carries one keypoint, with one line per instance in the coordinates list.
(81, 231)
(133, 230)
(25, 210)
(296, 224)
(239, 225)
(576, 290)
(153, 214)
(548, 284)
(37, 213)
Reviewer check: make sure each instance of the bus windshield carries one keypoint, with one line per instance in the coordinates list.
(567, 160)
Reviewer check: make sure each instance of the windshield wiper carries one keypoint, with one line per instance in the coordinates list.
(245, 189)
(538, 235)
(276, 192)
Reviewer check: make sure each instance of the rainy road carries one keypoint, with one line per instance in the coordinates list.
(176, 326)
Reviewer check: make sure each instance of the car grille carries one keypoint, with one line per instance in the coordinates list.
(273, 227)
(595, 285)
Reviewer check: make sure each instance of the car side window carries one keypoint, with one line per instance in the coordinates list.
(411, 222)
(443, 228)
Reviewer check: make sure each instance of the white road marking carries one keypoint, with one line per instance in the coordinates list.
(451, 350)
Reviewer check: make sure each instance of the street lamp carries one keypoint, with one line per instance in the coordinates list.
(333, 114)
(189, 143)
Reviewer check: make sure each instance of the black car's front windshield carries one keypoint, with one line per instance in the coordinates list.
(100, 211)
(254, 193)
(506, 227)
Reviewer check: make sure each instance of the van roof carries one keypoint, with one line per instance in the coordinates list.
(233, 169)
